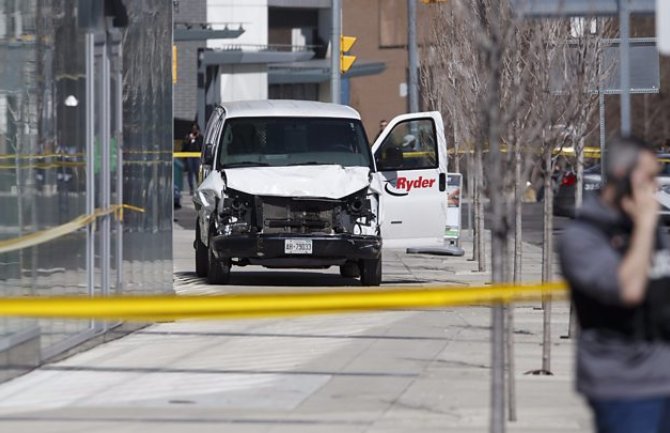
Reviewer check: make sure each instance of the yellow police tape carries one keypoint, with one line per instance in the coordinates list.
(237, 306)
(589, 152)
(42, 156)
(186, 154)
(42, 236)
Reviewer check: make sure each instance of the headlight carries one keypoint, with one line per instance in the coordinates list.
(358, 205)
(236, 204)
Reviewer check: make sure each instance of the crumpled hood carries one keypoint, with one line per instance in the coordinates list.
(323, 181)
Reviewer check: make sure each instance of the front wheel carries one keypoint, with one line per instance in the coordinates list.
(219, 269)
(371, 272)
(350, 270)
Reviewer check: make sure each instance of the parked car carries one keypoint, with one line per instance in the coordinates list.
(663, 194)
(564, 199)
(295, 184)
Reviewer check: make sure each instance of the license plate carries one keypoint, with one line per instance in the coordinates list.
(298, 246)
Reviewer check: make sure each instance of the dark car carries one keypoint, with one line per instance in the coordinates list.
(564, 198)
(663, 194)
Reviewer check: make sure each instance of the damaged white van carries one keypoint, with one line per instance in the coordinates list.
(295, 184)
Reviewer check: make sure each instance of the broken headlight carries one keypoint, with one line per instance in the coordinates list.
(235, 212)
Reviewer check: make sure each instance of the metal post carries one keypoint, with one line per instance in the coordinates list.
(335, 85)
(624, 24)
(601, 103)
(118, 133)
(412, 60)
(201, 92)
(90, 158)
(105, 178)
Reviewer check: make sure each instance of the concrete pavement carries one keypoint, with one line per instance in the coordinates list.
(411, 370)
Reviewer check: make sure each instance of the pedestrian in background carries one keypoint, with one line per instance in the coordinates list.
(615, 260)
(193, 143)
(382, 125)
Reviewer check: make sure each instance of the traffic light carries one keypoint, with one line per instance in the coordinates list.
(346, 61)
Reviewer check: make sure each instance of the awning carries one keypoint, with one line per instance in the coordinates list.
(318, 71)
(236, 57)
(203, 34)
(307, 4)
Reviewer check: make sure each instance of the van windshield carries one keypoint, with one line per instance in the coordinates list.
(287, 141)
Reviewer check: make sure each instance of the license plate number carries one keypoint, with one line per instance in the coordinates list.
(298, 246)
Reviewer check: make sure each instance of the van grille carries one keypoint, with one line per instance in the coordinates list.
(287, 215)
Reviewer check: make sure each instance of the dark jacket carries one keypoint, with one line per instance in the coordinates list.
(192, 145)
(615, 359)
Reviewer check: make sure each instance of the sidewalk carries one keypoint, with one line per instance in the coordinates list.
(411, 370)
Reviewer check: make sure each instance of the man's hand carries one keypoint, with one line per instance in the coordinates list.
(642, 206)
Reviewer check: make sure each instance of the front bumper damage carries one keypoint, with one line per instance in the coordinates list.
(268, 249)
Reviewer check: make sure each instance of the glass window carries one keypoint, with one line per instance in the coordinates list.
(392, 23)
(411, 145)
(283, 141)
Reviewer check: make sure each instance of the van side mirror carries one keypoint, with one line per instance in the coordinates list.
(208, 155)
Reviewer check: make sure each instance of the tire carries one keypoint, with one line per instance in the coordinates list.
(371, 272)
(219, 269)
(350, 270)
(201, 254)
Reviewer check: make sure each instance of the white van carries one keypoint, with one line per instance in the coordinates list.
(295, 184)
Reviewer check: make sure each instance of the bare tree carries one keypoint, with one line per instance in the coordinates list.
(498, 79)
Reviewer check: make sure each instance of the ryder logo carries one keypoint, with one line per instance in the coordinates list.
(408, 185)
(404, 185)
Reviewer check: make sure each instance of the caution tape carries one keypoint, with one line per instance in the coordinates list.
(43, 165)
(42, 156)
(186, 154)
(168, 308)
(589, 152)
(43, 236)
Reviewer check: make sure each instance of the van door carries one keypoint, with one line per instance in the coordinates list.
(411, 167)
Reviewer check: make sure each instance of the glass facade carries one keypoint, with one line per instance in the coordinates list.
(85, 122)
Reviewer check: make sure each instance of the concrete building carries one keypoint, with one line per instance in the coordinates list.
(282, 54)
(381, 28)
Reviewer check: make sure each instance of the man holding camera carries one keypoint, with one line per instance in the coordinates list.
(616, 261)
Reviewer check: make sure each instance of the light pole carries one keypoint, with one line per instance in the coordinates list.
(335, 85)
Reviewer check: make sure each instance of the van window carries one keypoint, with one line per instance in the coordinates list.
(283, 141)
(411, 145)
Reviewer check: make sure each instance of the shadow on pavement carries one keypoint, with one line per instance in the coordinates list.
(296, 278)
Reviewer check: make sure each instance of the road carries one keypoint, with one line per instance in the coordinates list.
(532, 222)
(387, 372)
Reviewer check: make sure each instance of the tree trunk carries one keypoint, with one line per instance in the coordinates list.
(547, 257)
(457, 145)
(579, 199)
(471, 193)
(579, 172)
(519, 188)
(480, 235)
(499, 223)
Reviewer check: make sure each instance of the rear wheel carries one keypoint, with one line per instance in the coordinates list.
(201, 254)
(371, 272)
(219, 268)
(350, 270)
